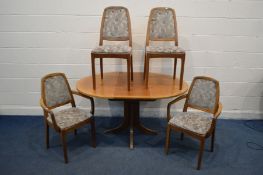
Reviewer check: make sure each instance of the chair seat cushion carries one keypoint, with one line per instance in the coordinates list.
(196, 122)
(164, 49)
(112, 49)
(69, 117)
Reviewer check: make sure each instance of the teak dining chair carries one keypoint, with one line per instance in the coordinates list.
(203, 95)
(56, 92)
(115, 26)
(162, 28)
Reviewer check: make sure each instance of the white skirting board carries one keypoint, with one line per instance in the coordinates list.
(118, 112)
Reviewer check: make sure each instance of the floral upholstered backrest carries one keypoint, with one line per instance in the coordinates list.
(204, 94)
(115, 23)
(55, 90)
(162, 24)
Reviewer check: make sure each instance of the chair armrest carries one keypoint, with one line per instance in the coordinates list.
(171, 103)
(88, 97)
(45, 108)
(219, 110)
(46, 111)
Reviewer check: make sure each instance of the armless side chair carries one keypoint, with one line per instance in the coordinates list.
(56, 92)
(203, 95)
(115, 26)
(162, 27)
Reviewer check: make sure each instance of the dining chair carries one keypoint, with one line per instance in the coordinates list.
(203, 95)
(115, 27)
(55, 93)
(162, 40)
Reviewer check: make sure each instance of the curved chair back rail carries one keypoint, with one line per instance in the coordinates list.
(162, 25)
(115, 25)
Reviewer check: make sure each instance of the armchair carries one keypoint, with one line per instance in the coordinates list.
(56, 92)
(203, 95)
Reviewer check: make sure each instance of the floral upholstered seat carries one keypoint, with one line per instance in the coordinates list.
(196, 122)
(69, 117)
(112, 49)
(203, 95)
(164, 49)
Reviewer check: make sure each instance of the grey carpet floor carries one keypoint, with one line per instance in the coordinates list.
(238, 150)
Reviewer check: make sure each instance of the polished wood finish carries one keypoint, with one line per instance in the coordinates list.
(112, 88)
(211, 132)
(126, 56)
(175, 56)
(49, 112)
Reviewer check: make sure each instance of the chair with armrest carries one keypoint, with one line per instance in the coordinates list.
(115, 26)
(162, 30)
(56, 92)
(203, 95)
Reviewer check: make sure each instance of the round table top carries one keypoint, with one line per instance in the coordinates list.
(114, 86)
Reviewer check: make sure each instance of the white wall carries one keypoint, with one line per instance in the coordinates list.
(223, 39)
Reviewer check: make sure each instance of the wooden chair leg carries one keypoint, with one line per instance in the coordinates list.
(147, 71)
(128, 72)
(182, 72)
(101, 68)
(75, 132)
(212, 140)
(144, 68)
(47, 135)
(202, 144)
(182, 136)
(93, 132)
(131, 68)
(93, 71)
(175, 65)
(167, 142)
(64, 144)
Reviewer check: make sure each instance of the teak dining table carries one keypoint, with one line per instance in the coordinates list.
(113, 87)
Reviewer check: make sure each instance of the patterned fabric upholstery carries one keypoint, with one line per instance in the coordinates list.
(164, 49)
(112, 49)
(56, 91)
(69, 117)
(196, 122)
(162, 24)
(116, 23)
(203, 94)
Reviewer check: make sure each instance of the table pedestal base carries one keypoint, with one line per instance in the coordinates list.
(131, 120)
